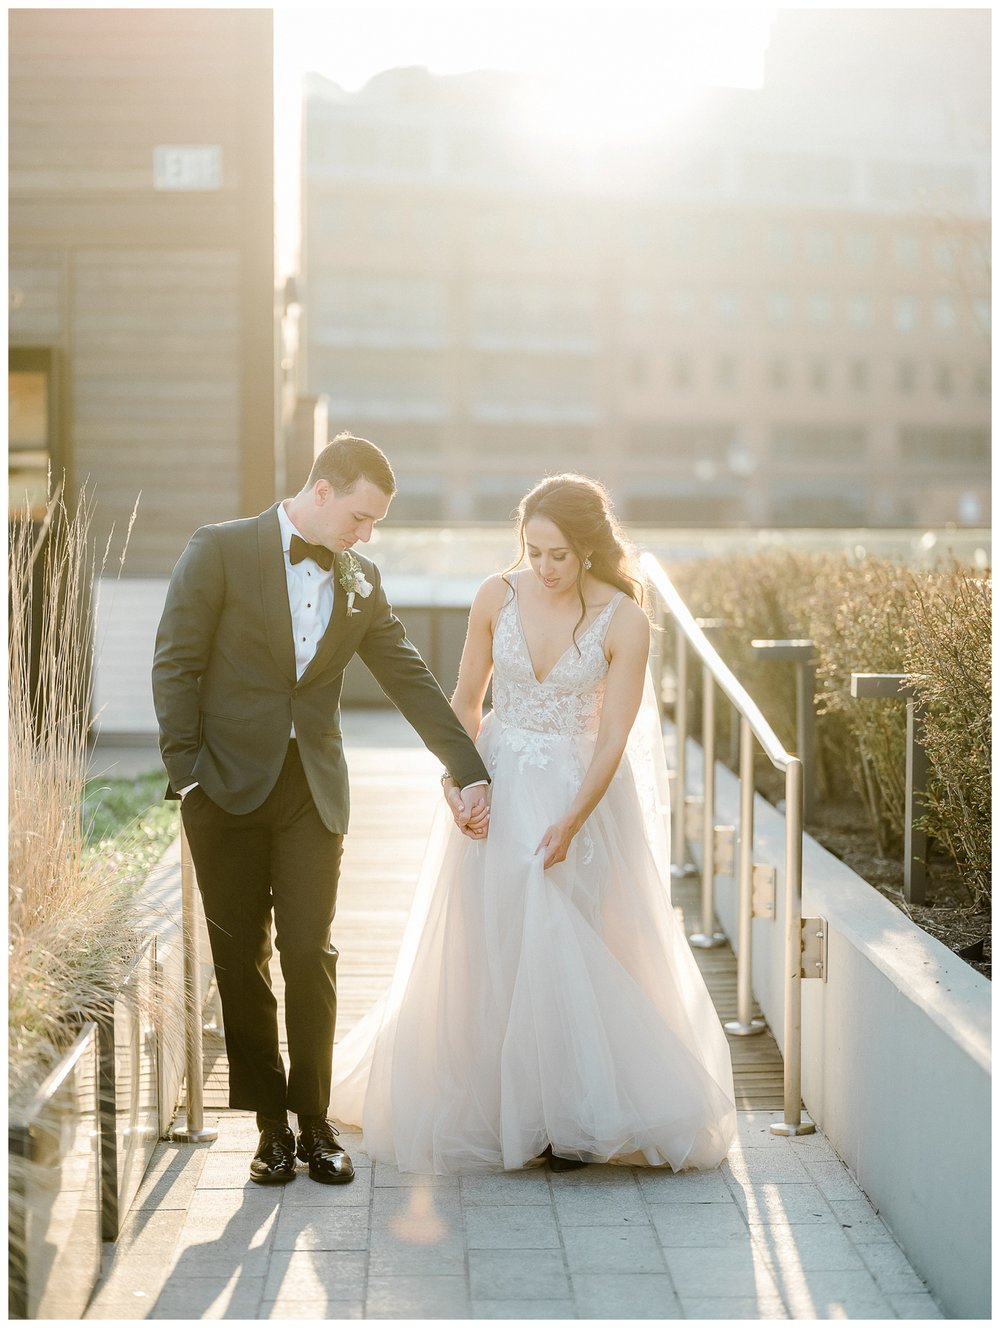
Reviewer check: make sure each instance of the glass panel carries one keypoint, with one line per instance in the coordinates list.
(29, 440)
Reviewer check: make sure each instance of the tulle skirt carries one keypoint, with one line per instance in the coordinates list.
(532, 1007)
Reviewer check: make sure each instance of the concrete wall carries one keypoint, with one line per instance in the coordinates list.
(896, 1058)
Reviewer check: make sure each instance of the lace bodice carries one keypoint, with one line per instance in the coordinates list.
(568, 701)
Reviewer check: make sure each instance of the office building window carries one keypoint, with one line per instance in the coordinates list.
(906, 377)
(31, 431)
(779, 242)
(860, 245)
(681, 306)
(930, 445)
(982, 379)
(945, 314)
(729, 239)
(637, 302)
(820, 310)
(946, 255)
(778, 375)
(820, 245)
(681, 373)
(859, 311)
(726, 372)
(818, 442)
(944, 380)
(905, 249)
(727, 306)
(859, 375)
(778, 307)
(906, 314)
(981, 309)
(819, 375)
(681, 235)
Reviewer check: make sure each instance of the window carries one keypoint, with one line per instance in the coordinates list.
(681, 305)
(946, 255)
(906, 377)
(905, 249)
(680, 235)
(725, 371)
(860, 246)
(680, 371)
(779, 308)
(779, 242)
(31, 430)
(981, 309)
(859, 311)
(637, 302)
(820, 310)
(818, 442)
(982, 380)
(945, 314)
(778, 375)
(727, 306)
(859, 375)
(905, 314)
(944, 382)
(820, 246)
(819, 375)
(929, 445)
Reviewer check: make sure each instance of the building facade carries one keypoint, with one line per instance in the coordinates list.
(774, 311)
(142, 295)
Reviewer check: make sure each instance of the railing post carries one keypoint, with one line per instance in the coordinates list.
(194, 1130)
(801, 654)
(794, 806)
(681, 865)
(744, 1024)
(708, 937)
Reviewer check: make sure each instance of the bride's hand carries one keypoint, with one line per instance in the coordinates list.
(556, 841)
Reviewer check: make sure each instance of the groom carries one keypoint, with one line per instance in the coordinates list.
(262, 616)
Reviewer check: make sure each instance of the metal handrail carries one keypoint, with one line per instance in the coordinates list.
(753, 725)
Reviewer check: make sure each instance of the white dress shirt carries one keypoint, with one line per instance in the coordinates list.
(310, 597)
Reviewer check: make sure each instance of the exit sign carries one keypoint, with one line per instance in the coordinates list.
(184, 167)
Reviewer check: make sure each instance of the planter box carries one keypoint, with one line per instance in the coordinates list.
(896, 1056)
(55, 1186)
(128, 1042)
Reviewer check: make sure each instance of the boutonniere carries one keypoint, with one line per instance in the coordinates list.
(353, 580)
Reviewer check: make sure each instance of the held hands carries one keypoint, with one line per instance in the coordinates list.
(470, 809)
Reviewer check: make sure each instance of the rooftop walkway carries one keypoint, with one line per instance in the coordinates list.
(781, 1230)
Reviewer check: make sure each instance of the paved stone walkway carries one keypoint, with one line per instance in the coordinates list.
(781, 1230)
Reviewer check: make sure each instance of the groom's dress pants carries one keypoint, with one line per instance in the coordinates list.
(281, 859)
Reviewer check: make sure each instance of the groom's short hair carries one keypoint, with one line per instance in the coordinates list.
(348, 459)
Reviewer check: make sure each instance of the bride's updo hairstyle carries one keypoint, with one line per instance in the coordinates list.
(581, 508)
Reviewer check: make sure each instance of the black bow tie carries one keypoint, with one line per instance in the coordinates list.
(299, 550)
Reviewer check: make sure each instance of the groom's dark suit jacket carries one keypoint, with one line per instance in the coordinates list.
(224, 682)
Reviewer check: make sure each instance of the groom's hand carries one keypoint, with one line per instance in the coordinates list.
(476, 810)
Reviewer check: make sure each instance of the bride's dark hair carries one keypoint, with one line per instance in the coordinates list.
(582, 510)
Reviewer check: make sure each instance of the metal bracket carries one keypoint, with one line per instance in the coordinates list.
(762, 895)
(693, 806)
(724, 849)
(814, 948)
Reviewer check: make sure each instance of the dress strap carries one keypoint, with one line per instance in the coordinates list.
(609, 609)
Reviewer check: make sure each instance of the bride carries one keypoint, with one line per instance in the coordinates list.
(545, 1000)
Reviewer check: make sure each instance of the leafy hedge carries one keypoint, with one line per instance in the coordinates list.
(870, 616)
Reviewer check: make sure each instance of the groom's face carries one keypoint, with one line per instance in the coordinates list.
(340, 520)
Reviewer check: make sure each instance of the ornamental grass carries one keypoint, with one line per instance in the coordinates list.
(72, 929)
(870, 615)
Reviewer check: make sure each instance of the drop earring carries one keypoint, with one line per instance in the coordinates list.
(586, 564)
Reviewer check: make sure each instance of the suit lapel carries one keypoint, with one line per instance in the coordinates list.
(274, 590)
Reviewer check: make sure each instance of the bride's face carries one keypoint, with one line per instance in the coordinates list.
(551, 559)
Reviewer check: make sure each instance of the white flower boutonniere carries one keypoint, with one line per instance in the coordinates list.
(353, 580)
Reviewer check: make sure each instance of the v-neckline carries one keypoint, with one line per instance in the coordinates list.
(540, 682)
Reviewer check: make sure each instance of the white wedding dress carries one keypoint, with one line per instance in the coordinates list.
(531, 1007)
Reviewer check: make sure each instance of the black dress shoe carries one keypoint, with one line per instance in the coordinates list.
(274, 1161)
(557, 1163)
(317, 1145)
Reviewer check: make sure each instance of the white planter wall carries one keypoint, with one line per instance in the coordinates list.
(896, 1059)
